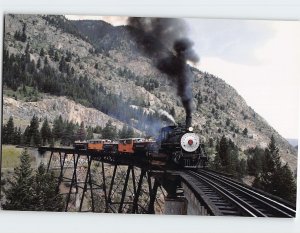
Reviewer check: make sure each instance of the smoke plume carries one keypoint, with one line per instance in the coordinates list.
(160, 33)
(167, 115)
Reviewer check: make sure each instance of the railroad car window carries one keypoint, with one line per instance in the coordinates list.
(162, 135)
(165, 135)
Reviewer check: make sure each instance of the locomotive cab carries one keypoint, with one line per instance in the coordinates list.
(165, 133)
(170, 136)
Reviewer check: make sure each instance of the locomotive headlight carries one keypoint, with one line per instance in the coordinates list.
(190, 142)
(190, 129)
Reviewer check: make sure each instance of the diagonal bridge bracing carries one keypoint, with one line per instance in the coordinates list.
(104, 183)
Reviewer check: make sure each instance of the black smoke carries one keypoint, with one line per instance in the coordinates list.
(161, 33)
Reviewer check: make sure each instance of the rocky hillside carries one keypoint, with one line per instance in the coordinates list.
(108, 56)
(52, 107)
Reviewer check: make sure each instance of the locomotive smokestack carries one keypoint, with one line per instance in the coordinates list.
(188, 121)
(188, 117)
(161, 33)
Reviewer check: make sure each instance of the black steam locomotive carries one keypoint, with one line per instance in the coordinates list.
(183, 146)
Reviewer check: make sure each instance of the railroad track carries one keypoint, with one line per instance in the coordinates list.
(225, 196)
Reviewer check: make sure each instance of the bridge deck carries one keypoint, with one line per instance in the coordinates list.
(137, 160)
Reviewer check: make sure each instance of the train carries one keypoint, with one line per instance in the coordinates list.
(175, 144)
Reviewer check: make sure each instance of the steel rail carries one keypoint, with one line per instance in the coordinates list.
(242, 205)
(277, 208)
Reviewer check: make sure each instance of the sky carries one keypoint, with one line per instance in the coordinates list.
(260, 59)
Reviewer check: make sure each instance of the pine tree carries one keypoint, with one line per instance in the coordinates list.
(62, 65)
(51, 51)
(34, 134)
(68, 57)
(46, 60)
(17, 136)
(223, 151)
(38, 65)
(109, 131)
(90, 134)
(273, 156)
(245, 132)
(46, 132)
(97, 129)
(81, 133)
(227, 122)
(10, 131)
(271, 163)
(19, 195)
(28, 191)
(227, 158)
(255, 160)
(130, 132)
(276, 178)
(58, 128)
(123, 132)
(17, 35)
(24, 36)
(56, 57)
(26, 137)
(284, 184)
(42, 52)
(211, 142)
(241, 168)
(45, 189)
(27, 48)
(69, 134)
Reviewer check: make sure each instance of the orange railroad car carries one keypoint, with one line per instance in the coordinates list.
(127, 145)
(97, 144)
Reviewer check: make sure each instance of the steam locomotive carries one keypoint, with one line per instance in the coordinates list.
(183, 146)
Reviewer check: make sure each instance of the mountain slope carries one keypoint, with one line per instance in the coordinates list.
(52, 107)
(109, 57)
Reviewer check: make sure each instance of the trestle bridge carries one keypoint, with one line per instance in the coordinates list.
(111, 183)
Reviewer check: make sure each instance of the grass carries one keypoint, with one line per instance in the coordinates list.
(11, 156)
